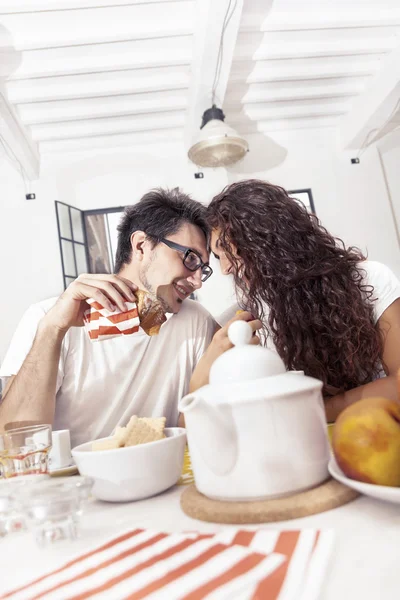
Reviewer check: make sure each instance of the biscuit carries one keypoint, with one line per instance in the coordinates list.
(120, 435)
(139, 430)
(157, 423)
(141, 433)
(109, 444)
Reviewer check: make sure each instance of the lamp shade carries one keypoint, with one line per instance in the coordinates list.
(217, 144)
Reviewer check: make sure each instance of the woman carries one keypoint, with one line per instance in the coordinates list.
(323, 307)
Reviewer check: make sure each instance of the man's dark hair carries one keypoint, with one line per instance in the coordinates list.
(159, 213)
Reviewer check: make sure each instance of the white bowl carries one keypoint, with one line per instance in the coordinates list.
(135, 472)
(381, 492)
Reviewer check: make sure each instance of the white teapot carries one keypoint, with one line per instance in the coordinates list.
(256, 431)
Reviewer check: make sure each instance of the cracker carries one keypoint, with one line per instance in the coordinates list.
(158, 423)
(141, 433)
(139, 430)
(121, 433)
(110, 444)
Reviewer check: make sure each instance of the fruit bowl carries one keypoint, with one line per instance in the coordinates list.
(380, 492)
(366, 441)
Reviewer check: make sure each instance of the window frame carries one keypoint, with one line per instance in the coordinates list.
(70, 276)
(292, 194)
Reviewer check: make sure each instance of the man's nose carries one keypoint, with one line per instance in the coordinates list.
(195, 279)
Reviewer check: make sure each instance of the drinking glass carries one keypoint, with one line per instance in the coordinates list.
(6, 507)
(11, 517)
(25, 451)
(53, 508)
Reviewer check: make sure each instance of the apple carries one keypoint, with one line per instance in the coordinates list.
(366, 441)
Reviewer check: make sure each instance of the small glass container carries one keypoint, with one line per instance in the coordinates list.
(11, 517)
(84, 486)
(53, 509)
(25, 451)
(6, 506)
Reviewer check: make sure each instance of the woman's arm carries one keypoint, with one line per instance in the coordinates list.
(389, 325)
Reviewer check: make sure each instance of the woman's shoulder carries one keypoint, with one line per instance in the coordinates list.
(385, 283)
(374, 268)
(376, 272)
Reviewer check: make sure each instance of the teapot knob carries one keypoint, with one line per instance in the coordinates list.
(240, 333)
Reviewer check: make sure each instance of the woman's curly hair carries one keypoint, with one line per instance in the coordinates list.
(304, 284)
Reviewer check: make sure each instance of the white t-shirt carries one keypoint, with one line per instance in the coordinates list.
(386, 291)
(101, 385)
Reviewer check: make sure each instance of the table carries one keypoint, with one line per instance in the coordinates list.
(365, 562)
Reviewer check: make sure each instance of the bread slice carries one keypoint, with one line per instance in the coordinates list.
(151, 313)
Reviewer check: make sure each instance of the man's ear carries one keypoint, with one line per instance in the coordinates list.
(138, 238)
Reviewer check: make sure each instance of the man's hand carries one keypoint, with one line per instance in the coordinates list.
(111, 291)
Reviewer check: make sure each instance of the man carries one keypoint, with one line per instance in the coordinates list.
(55, 374)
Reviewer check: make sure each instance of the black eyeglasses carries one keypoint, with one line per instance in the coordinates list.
(191, 259)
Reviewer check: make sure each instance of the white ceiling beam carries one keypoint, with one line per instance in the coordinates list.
(373, 107)
(259, 93)
(100, 111)
(89, 108)
(307, 49)
(125, 63)
(26, 6)
(107, 126)
(133, 54)
(209, 18)
(85, 42)
(323, 19)
(275, 71)
(112, 141)
(318, 37)
(105, 24)
(269, 113)
(17, 140)
(98, 85)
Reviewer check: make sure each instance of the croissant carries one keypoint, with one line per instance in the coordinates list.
(151, 313)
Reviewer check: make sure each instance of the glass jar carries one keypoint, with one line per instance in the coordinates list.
(12, 518)
(25, 451)
(53, 508)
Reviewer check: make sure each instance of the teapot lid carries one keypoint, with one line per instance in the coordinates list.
(244, 361)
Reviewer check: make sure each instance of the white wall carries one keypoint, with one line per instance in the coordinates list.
(351, 200)
(29, 249)
(120, 177)
(389, 149)
(116, 179)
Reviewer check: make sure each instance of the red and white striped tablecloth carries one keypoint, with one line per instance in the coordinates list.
(266, 564)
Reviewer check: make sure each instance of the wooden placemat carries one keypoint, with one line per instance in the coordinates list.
(330, 494)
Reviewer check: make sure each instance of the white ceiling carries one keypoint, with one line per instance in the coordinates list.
(95, 73)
